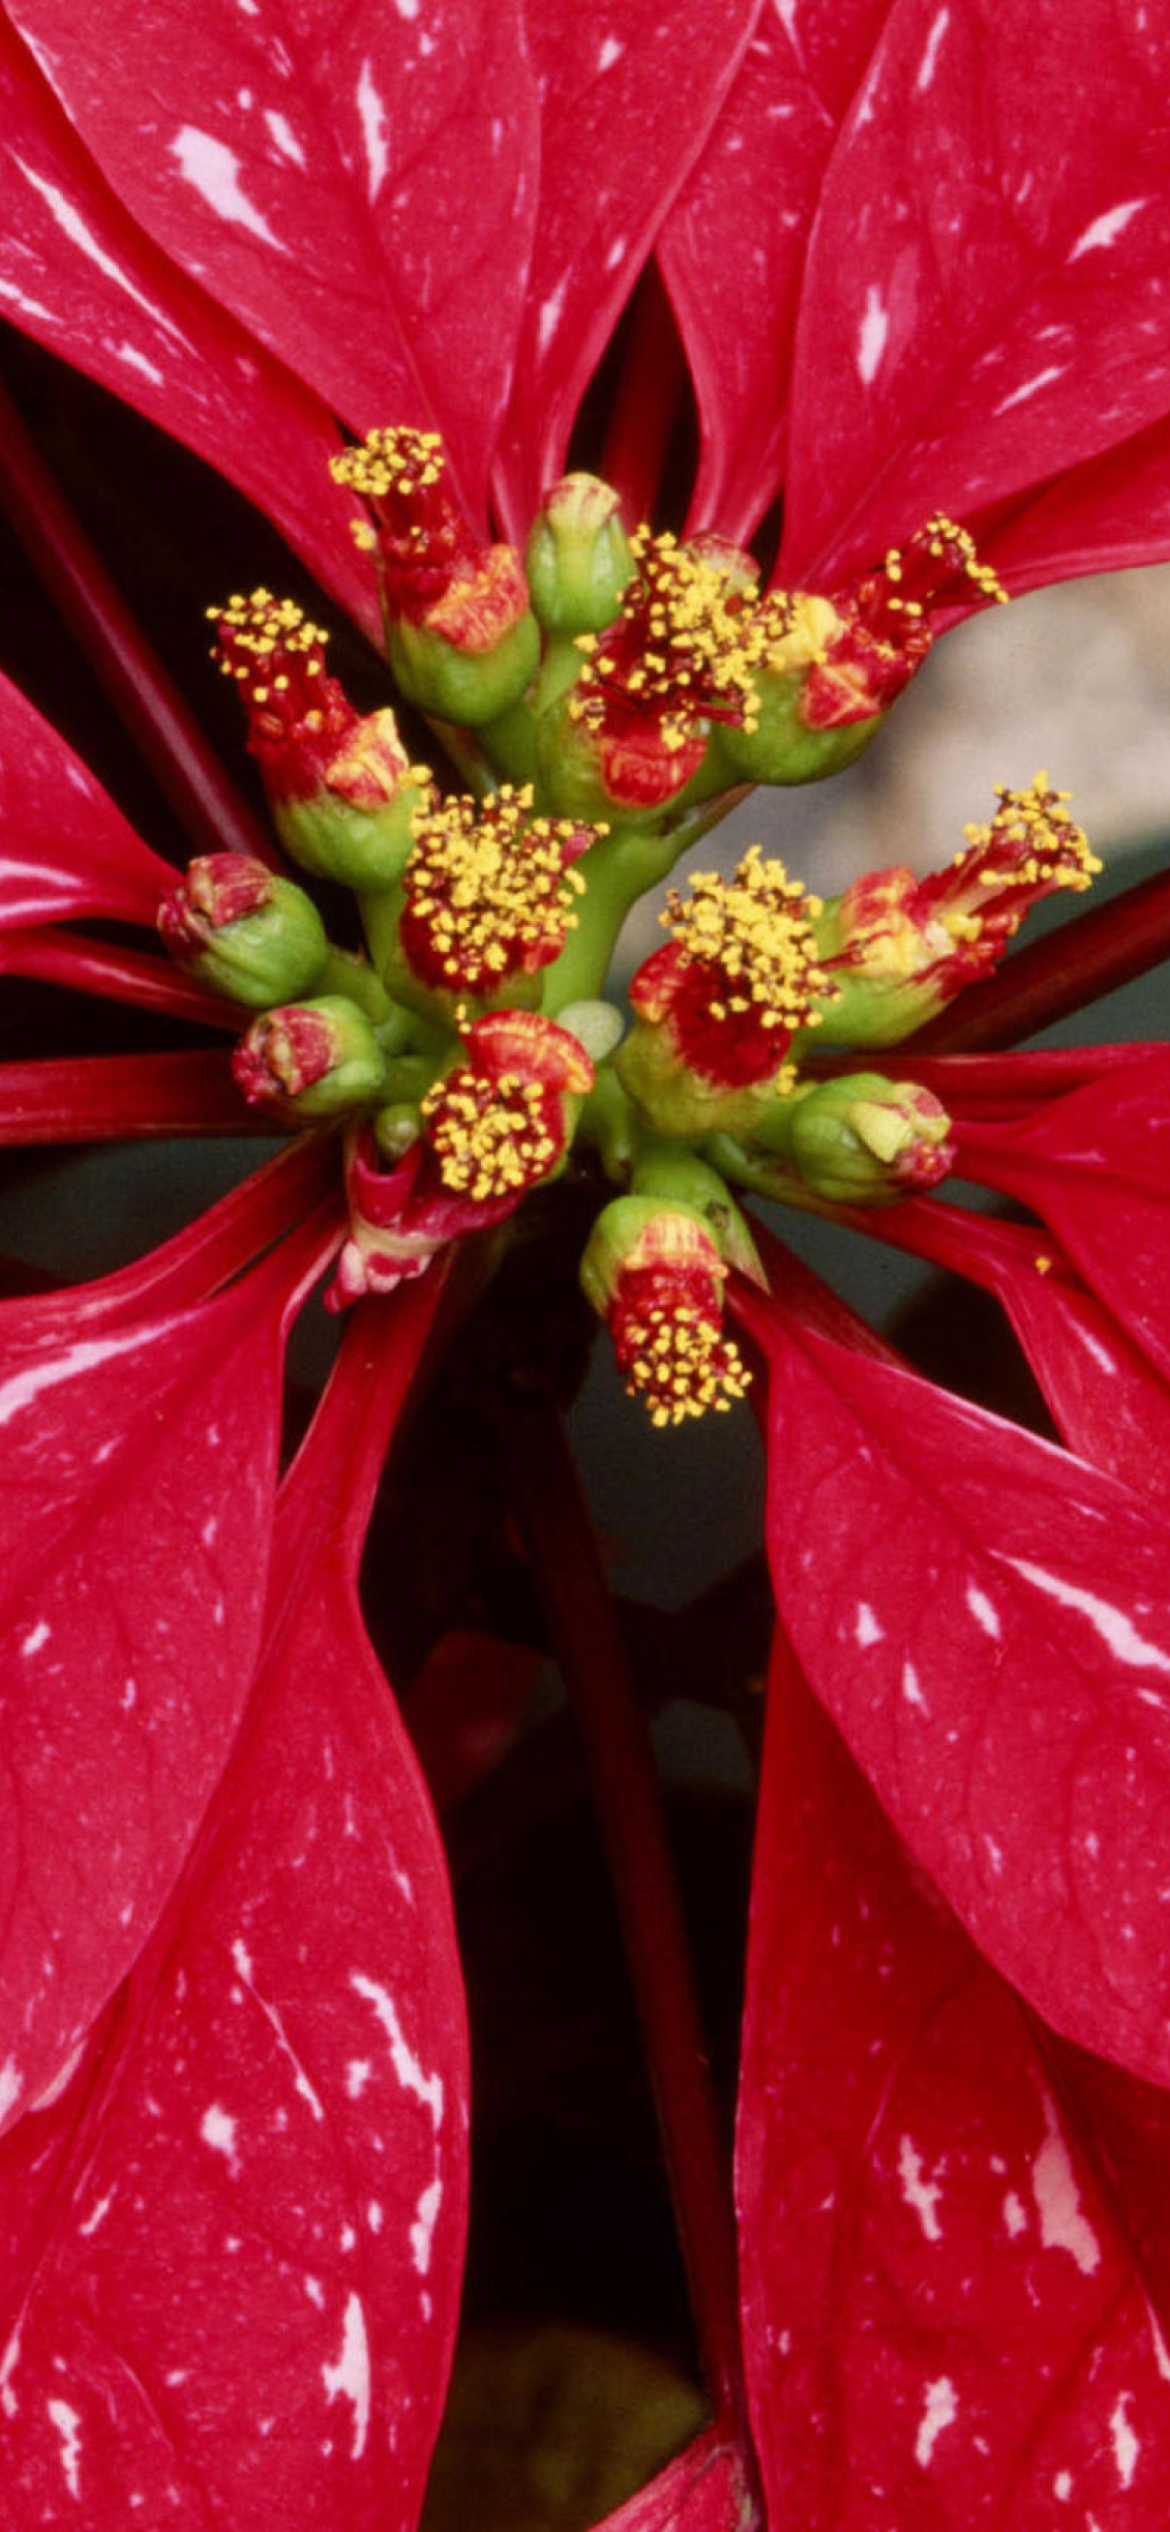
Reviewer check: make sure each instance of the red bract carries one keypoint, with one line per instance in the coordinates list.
(946, 2321)
(234, 2242)
(859, 320)
(915, 256)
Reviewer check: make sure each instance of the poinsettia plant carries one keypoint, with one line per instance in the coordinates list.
(646, 391)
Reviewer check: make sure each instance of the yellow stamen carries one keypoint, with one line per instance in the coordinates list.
(489, 1136)
(755, 929)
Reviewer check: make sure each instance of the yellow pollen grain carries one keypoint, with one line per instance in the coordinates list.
(696, 641)
(1030, 843)
(681, 1365)
(754, 931)
(264, 629)
(490, 882)
(396, 460)
(489, 1136)
(951, 543)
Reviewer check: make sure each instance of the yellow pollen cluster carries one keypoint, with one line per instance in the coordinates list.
(392, 461)
(681, 1364)
(489, 1137)
(951, 544)
(755, 929)
(489, 881)
(1030, 843)
(696, 647)
(258, 630)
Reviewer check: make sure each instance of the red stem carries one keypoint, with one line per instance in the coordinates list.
(206, 803)
(115, 1098)
(646, 401)
(57, 957)
(1069, 968)
(559, 1541)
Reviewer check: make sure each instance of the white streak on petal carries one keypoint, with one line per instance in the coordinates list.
(213, 171)
(550, 316)
(983, 1610)
(284, 137)
(350, 2376)
(1107, 226)
(922, 2195)
(871, 336)
(1031, 387)
(868, 1630)
(422, 2231)
(304, 2087)
(68, 2426)
(426, 2088)
(940, 2411)
(373, 115)
(218, 2130)
(926, 67)
(1112, 1625)
(1126, 2446)
(1063, 2224)
(79, 234)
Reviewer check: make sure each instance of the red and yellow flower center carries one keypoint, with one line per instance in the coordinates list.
(492, 1136)
(678, 653)
(421, 538)
(742, 974)
(277, 658)
(489, 889)
(669, 1343)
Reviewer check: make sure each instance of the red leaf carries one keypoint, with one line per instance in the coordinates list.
(138, 1479)
(988, 1622)
(237, 2237)
(1096, 1167)
(105, 1098)
(983, 302)
(987, 1086)
(630, 92)
(354, 182)
(945, 2325)
(703, 2491)
(76, 273)
(1104, 1394)
(733, 247)
(65, 849)
(151, 984)
(1110, 513)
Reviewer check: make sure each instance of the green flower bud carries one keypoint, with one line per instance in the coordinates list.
(578, 558)
(242, 931)
(310, 1060)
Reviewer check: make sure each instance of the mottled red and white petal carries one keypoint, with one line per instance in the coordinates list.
(945, 2321)
(354, 183)
(234, 2243)
(985, 297)
(988, 1621)
(629, 93)
(77, 273)
(138, 1482)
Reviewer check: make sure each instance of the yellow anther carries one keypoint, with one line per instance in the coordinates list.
(755, 930)
(489, 1136)
(489, 883)
(398, 460)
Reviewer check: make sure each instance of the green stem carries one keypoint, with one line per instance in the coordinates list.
(343, 973)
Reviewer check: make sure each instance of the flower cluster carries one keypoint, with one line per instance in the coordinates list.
(233, 2043)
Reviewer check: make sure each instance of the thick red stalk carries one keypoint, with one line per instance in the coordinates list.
(109, 1098)
(206, 803)
(1062, 973)
(646, 401)
(65, 958)
(558, 1538)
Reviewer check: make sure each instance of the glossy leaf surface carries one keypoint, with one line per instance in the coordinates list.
(138, 1478)
(80, 276)
(65, 849)
(234, 2243)
(354, 183)
(984, 301)
(1110, 1404)
(104, 1098)
(629, 93)
(945, 2323)
(988, 1620)
(733, 248)
(1096, 1167)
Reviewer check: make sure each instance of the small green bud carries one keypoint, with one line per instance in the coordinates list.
(578, 559)
(310, 1060)
(243, 931)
